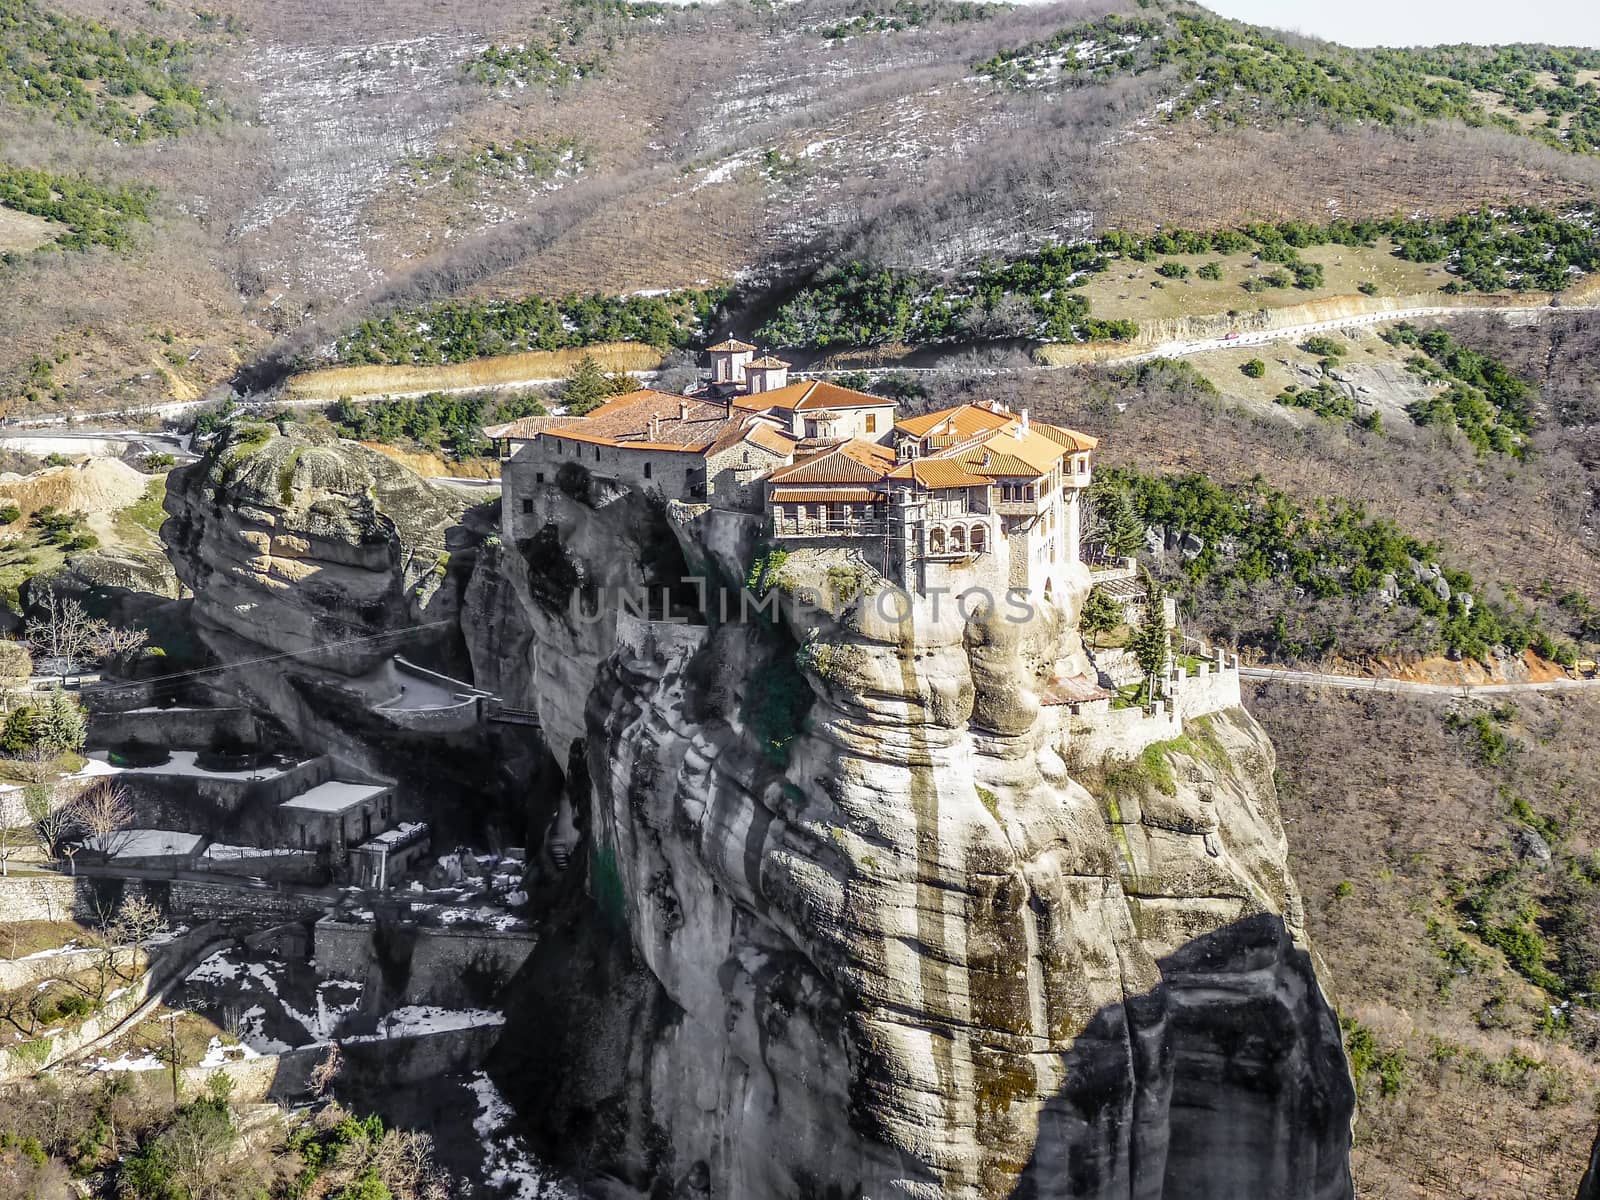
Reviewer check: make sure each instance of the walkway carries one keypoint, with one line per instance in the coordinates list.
(1369, 684)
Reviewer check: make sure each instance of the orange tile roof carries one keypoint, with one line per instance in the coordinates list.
(767, 361)
(764, 435)
(523, 428)
(756, 431)
(854, 461)
(1012, 452)
(809, 395)
(731, 346)
(1070, 438)
(686, 423)
(964, 420)
(826, 495)
(938, 473)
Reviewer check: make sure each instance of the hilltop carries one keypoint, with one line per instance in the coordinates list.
(280, 175)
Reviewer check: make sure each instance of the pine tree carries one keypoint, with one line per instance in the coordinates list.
(587, 388)
(1100, 615)
(1150, 642)
(60, 727)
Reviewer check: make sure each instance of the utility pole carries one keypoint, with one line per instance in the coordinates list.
(172, 1054)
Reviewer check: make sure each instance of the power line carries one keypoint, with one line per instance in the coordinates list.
(268, 658)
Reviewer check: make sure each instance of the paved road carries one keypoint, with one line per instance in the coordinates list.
(1368, 684)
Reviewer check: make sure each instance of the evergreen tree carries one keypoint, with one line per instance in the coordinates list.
(19, 734)
(1117, 526)
(588, 387)
(1150, 642)
(60, 726)
(1100, 615)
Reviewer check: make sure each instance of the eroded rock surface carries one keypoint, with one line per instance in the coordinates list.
(849, 918)
(296, 540)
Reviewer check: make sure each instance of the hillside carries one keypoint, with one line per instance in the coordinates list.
(278, 175)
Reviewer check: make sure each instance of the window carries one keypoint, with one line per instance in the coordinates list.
(538, 477)
(559, 450)
(527, 507)
(597, 454)
(872, 422)
(747, 458)
(646, 469)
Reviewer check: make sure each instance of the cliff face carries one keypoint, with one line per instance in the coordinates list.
(297, 540)
(854, 920)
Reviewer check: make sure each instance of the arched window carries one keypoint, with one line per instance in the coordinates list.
(980, 536)
(936, 541)
(958, 540)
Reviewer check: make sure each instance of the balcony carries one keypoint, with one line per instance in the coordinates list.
(818, 527)
(1019, 508)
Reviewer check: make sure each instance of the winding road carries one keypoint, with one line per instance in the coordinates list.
(1367, 683)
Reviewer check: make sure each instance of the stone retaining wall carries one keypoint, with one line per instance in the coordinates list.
(1098, 733)
(177, 728)
(446, 965)
(394, 1062)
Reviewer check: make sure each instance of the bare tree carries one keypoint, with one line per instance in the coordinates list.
(13, 841)
(64, 632)
(326, 1071)
(105, 817)
(117, 643)
(54, 819)
(138, 920)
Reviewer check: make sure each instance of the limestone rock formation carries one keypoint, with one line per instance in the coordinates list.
(850, 917)
(292, 541)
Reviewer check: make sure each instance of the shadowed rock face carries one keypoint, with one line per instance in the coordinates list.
(1589, 1187)
(909, 945)
(298, 540)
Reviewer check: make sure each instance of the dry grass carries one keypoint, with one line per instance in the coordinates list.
(21, 232)
(431, 466)
(502, 371)
(1377, 794)
(18, 939)
(1129, 288)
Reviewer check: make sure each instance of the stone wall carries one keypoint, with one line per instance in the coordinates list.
(1098, 733)
(646, 640)
(175, 728)
(1213, 688)
(534, 467)
(39, 897)
(397, 1061)
(441, 959)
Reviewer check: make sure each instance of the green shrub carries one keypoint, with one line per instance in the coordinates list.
(1211, 271)
(1254, 368)
(1173, 270)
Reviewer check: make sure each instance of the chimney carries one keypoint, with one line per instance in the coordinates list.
(1024, 422)
(683, 410)
(655, 427)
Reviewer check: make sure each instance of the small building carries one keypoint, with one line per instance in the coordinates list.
(972, 495)
(677, 447)
(835, 492)
(337, 814)
(390, 855)
(814, 410)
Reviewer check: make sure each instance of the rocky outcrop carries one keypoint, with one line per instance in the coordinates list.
(854, 920)
(296, 541)
(1589, 1186)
